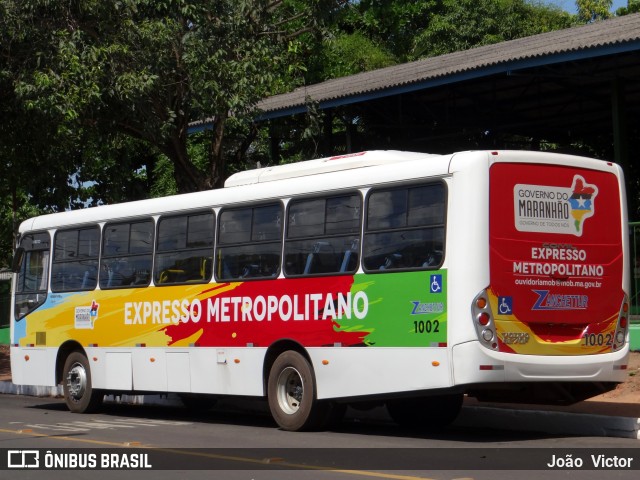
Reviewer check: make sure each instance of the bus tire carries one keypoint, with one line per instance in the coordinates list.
(79, 393)
(291, 392)
(426, 413)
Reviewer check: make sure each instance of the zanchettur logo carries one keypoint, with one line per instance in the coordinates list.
(556, 301)
(546, 209)
(23, 459)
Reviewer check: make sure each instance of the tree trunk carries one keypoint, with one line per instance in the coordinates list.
(188, 178)
(14, 214)
(216, 157)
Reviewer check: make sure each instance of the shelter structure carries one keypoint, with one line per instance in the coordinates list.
(577, 88)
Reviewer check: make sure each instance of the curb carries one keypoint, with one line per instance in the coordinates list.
(8, 387)
(556, 423)
(493, 418)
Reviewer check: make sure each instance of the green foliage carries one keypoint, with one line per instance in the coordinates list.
(11, 214)
(592, 10)
(145, 69)
(463, 24)
(348, 54)
(389, 23)
(633, 6)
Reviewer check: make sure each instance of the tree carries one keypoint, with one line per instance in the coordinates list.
(391, 23)
(348, 54)
(462, 24)
(592, 10)
(145, 69)
(633, 6)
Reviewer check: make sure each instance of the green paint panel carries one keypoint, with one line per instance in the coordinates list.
(405, 309)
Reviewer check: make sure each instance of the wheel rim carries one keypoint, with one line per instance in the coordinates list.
(290, 390)
(77, 381)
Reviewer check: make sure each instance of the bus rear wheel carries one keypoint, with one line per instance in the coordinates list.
(291, 392)
(426, 413)
(79, 394)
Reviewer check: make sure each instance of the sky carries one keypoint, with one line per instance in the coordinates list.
(570, 5)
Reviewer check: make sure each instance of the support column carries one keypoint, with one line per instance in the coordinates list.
(327, 148)
(619, 121)
(621, 146)
(274, 145)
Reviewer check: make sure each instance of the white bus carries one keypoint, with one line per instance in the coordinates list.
(382, 276)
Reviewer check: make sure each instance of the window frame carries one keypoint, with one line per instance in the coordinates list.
(221, 246)
(357, 247)
(182, 252)
(56, 263)
(37, 296)
(105, 258)
(367, 233)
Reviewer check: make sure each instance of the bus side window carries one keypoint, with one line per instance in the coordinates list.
(33, 278)
(184, 252)
(75, 259)
(323, 235)
(126, 254)
(404, 228)
(249, 242)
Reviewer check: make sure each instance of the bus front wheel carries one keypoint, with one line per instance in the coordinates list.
(79, 393)
(291, 392)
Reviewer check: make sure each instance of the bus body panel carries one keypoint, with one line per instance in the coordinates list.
(180, 370)
(218, 333)
(373, 371)
(366, 334)
(488, 186)
(467, 239)
(33, 366)
(474, 364)
(556, 250)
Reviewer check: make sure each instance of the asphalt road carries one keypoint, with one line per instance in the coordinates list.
(224, 444)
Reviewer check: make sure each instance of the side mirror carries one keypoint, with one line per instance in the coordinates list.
(18, 257)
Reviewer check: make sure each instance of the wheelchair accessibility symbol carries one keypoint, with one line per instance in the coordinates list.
(435, 284)
(505, 305)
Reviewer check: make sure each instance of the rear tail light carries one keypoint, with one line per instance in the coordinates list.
(620, 338)
(483, 320)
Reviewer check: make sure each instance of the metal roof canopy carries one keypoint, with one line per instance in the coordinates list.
(601, 39)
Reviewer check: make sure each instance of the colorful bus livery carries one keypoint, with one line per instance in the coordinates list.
(561, 256)
(382, 277)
